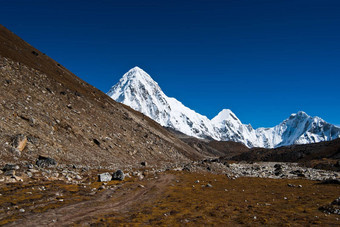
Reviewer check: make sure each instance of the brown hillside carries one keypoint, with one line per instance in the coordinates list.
(69, 120)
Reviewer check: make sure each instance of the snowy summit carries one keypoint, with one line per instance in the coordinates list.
(139, 91)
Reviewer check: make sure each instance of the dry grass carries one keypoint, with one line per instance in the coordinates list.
(244, 201)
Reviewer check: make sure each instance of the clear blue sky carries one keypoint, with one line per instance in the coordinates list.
(263, 59)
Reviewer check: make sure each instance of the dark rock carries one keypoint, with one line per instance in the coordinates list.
(143, 163)
(118, 175)
(43, 162)
(104, 177)
(278, 172)
(96, 142)
(35, 53)
(208, 168)
(208, 186)
(8, 167)
(277, 166)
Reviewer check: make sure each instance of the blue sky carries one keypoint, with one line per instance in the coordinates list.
(263, 59)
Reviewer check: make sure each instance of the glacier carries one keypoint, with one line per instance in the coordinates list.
(139, 91)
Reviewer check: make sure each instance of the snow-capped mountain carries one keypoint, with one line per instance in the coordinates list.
(139, 91)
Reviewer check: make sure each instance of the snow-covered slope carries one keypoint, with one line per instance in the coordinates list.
(139, 91)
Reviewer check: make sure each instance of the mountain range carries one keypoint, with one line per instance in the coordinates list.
(139, 91)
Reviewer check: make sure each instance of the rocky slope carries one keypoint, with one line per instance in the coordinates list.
(46, 110)
(139, 91)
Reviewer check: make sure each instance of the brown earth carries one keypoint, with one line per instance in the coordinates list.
(172, 198)
(226, 149)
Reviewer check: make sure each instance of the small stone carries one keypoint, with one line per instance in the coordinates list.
(45, 162)
(22, 210)
(8, 167)
(118, 175)
(208, 186)
(143, 163)
(104, 177)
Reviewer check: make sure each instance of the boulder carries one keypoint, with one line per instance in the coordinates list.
(118, 175)
(104, 177)
(20, 142)
(45, 162)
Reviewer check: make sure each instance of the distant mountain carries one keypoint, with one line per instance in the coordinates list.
(138, 90)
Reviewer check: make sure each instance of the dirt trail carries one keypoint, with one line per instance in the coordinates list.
(106, 202)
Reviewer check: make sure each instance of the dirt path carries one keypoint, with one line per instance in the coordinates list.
(109, 201)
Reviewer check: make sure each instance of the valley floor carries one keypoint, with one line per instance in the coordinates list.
(169, 198)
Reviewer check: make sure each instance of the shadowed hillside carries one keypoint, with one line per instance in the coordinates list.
(324, 155)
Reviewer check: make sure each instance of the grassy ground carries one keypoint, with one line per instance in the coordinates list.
(184, 199)
(244, 201)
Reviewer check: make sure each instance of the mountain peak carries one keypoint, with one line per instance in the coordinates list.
(302, 113)
(225, 115)
(136, 69)
(137, 73)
